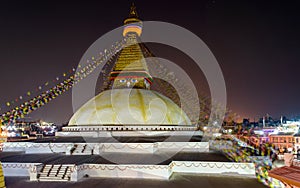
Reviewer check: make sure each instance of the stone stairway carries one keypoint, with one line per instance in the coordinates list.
(83, 150)
(55, 173)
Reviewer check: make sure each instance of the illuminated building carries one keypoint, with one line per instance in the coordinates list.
(282, 141)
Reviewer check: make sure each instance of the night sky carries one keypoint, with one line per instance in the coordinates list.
(255, 42)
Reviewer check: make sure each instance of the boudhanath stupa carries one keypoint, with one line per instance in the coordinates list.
(126, 131)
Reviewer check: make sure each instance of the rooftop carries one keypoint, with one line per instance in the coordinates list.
(290, 175)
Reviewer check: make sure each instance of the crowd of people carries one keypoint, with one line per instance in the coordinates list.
(262, 157)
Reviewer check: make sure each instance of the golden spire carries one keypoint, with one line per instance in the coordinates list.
(132, 24)
(130, 69)
(133, 12)
(133, 16)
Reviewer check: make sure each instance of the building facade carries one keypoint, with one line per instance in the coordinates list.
(282, 141)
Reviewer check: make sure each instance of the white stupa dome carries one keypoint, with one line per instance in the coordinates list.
(130, 107)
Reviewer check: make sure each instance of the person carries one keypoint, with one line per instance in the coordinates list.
(288, 159)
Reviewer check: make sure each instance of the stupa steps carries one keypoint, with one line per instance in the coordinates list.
(82, 150)
(53, 179)
(59, 172)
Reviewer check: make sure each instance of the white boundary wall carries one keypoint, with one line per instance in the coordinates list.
(31, 147)
(125, 148)
(152, 147)
(124, 171)
(161, 147)
(19, 169)
(247, 169)
(182, 146)
(163, 172)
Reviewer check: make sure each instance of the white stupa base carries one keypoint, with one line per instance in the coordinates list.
(128, 131)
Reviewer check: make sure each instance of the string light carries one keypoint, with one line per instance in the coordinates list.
(50, 94)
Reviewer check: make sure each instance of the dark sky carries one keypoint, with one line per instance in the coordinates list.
(255, 42)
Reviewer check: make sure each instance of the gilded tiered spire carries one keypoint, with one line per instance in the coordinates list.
(131, 69)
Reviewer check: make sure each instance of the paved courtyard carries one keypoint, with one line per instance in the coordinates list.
(177, 181)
